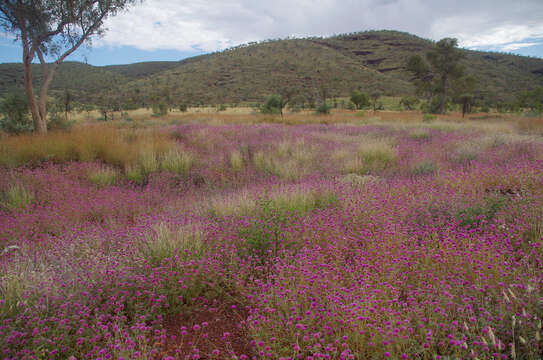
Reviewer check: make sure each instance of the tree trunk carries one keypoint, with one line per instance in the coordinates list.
(47, 78)
(443, 95)
(39, 124)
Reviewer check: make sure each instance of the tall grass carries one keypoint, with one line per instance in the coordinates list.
(106, 143)
(177, 161)
(104, 176)
(236, 160)
(531, 125)
(288, 160)
(370, 157)
(16, 197)
(292, 200)
(165, 243)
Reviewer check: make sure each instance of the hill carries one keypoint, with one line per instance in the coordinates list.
(372, 60)
(250, 73)
(500, 76)
(83, 81)
(142, 69)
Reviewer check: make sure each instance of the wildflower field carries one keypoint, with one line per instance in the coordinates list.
(260, 240)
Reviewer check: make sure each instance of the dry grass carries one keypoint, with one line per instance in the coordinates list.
(530, 125)
(372, 155)
(292, 199)
(104, 176)
(165, 243)
(177, 161)
(289, 160)
(236, 160)
(102, 142)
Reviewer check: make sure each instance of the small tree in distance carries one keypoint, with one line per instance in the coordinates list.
(54, 29)
(375, 95)
(359, 99)
(409, 102)
(435, 76)
(274, 105)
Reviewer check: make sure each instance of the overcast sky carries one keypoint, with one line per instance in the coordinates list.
(172, 29)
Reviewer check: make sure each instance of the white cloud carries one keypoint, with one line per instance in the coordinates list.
(516, 46)
(216, 24)
(481, 33)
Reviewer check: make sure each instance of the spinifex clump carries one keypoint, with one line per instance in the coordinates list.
(313, 241)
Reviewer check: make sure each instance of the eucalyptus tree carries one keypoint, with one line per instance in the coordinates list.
(53, 29)
(434, 75)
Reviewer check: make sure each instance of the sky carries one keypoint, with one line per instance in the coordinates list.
(172, 29)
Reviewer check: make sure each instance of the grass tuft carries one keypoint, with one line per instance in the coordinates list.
(236, 161)
(425, 168)
(372, 156)
(165, 243)
(288, 161)
(177, 161)
(16, 197)
(104, 176)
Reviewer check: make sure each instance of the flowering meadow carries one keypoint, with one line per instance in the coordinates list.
(272, 241)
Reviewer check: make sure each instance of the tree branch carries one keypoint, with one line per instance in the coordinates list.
(84, 37)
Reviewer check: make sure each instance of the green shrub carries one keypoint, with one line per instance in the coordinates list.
(222, 108)
(160, 109)
(473, 215)
(16, 197)
(183, 107)
(323, 109)
(409, 102)
(360, 114)
(264, 233)
(360, 99)
(16, 118)
(434, 106)
(57, 118)
(274, 105)
(267, 216)
(428, 117)
(295, 109)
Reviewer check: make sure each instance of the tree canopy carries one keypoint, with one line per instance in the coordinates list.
(359, 99)
(53, 29)
(434, 75)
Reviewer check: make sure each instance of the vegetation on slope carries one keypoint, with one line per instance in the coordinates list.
(310, 68)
